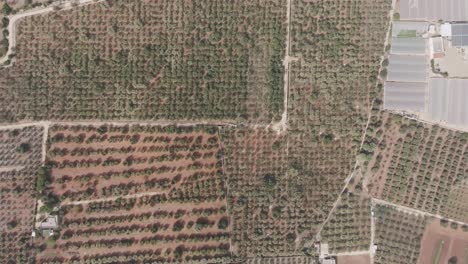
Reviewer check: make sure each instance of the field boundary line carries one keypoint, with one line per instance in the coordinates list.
(281, 126)
(367, 178)
(410, 210)
(117, 123)
(425, 121)
(226, 185)
(45, 136)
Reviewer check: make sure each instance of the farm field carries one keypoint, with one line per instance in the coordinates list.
(339, 45)
(349, 227)
(281, 188)
(397, 236)
(265, 219)
(417, 165)
(356, 259)
(20, 159)
(149, 60)
(137, 193)
(442, 243)
(237, 189)
(282, 260)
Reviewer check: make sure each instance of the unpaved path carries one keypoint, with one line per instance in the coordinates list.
(413, 211)
(117, 123)
(37, 11)
(281, 126)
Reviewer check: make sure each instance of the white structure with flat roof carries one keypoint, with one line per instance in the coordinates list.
(434, 10)
(51, 223)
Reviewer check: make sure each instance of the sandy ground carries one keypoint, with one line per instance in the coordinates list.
(455, 243)
(453, 63)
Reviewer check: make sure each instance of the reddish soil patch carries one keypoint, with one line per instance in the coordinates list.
(455, 244)
(154, 192)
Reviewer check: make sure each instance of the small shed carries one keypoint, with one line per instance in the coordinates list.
(329, 261)
(51, 223)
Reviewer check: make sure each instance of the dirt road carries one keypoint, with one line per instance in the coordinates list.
(37, 11)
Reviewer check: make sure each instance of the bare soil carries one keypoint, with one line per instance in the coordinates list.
(93, 228)
(455, 244)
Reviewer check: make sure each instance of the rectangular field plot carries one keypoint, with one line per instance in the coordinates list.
(408, 45)
(417, 165)
(152, 193)
(409, 29)
(438, 98)
(282, 260)
(405, 68)
(405, 96)
(397, 236)
(349, 228)
(149, 60)
(448, 101)
(434, 10)
(20, 160)
(444, 242)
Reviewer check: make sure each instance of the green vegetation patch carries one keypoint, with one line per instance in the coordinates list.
(406, 33)
(148, 60)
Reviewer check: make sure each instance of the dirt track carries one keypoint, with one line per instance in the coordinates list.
(33, 12)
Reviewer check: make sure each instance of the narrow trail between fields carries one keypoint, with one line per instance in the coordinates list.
(115, 123)
(413, 211)
(37, 11)
(281, 126)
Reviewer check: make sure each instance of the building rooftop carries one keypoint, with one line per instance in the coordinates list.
(329, 261)
(434, 10)
(460, 35)
(50, 223)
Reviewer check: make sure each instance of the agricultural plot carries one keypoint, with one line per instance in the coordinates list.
(354, 259)
(151, 60)
(147, 194)
(266, 220)
(444, 244)
(339, 45)
(456, 205)
(20, 159)
(282, 260)
(282, 187)
(349, 227)
(416, 165)
(398, 236)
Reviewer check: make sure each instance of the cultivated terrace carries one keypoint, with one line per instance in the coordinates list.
(215, 131)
